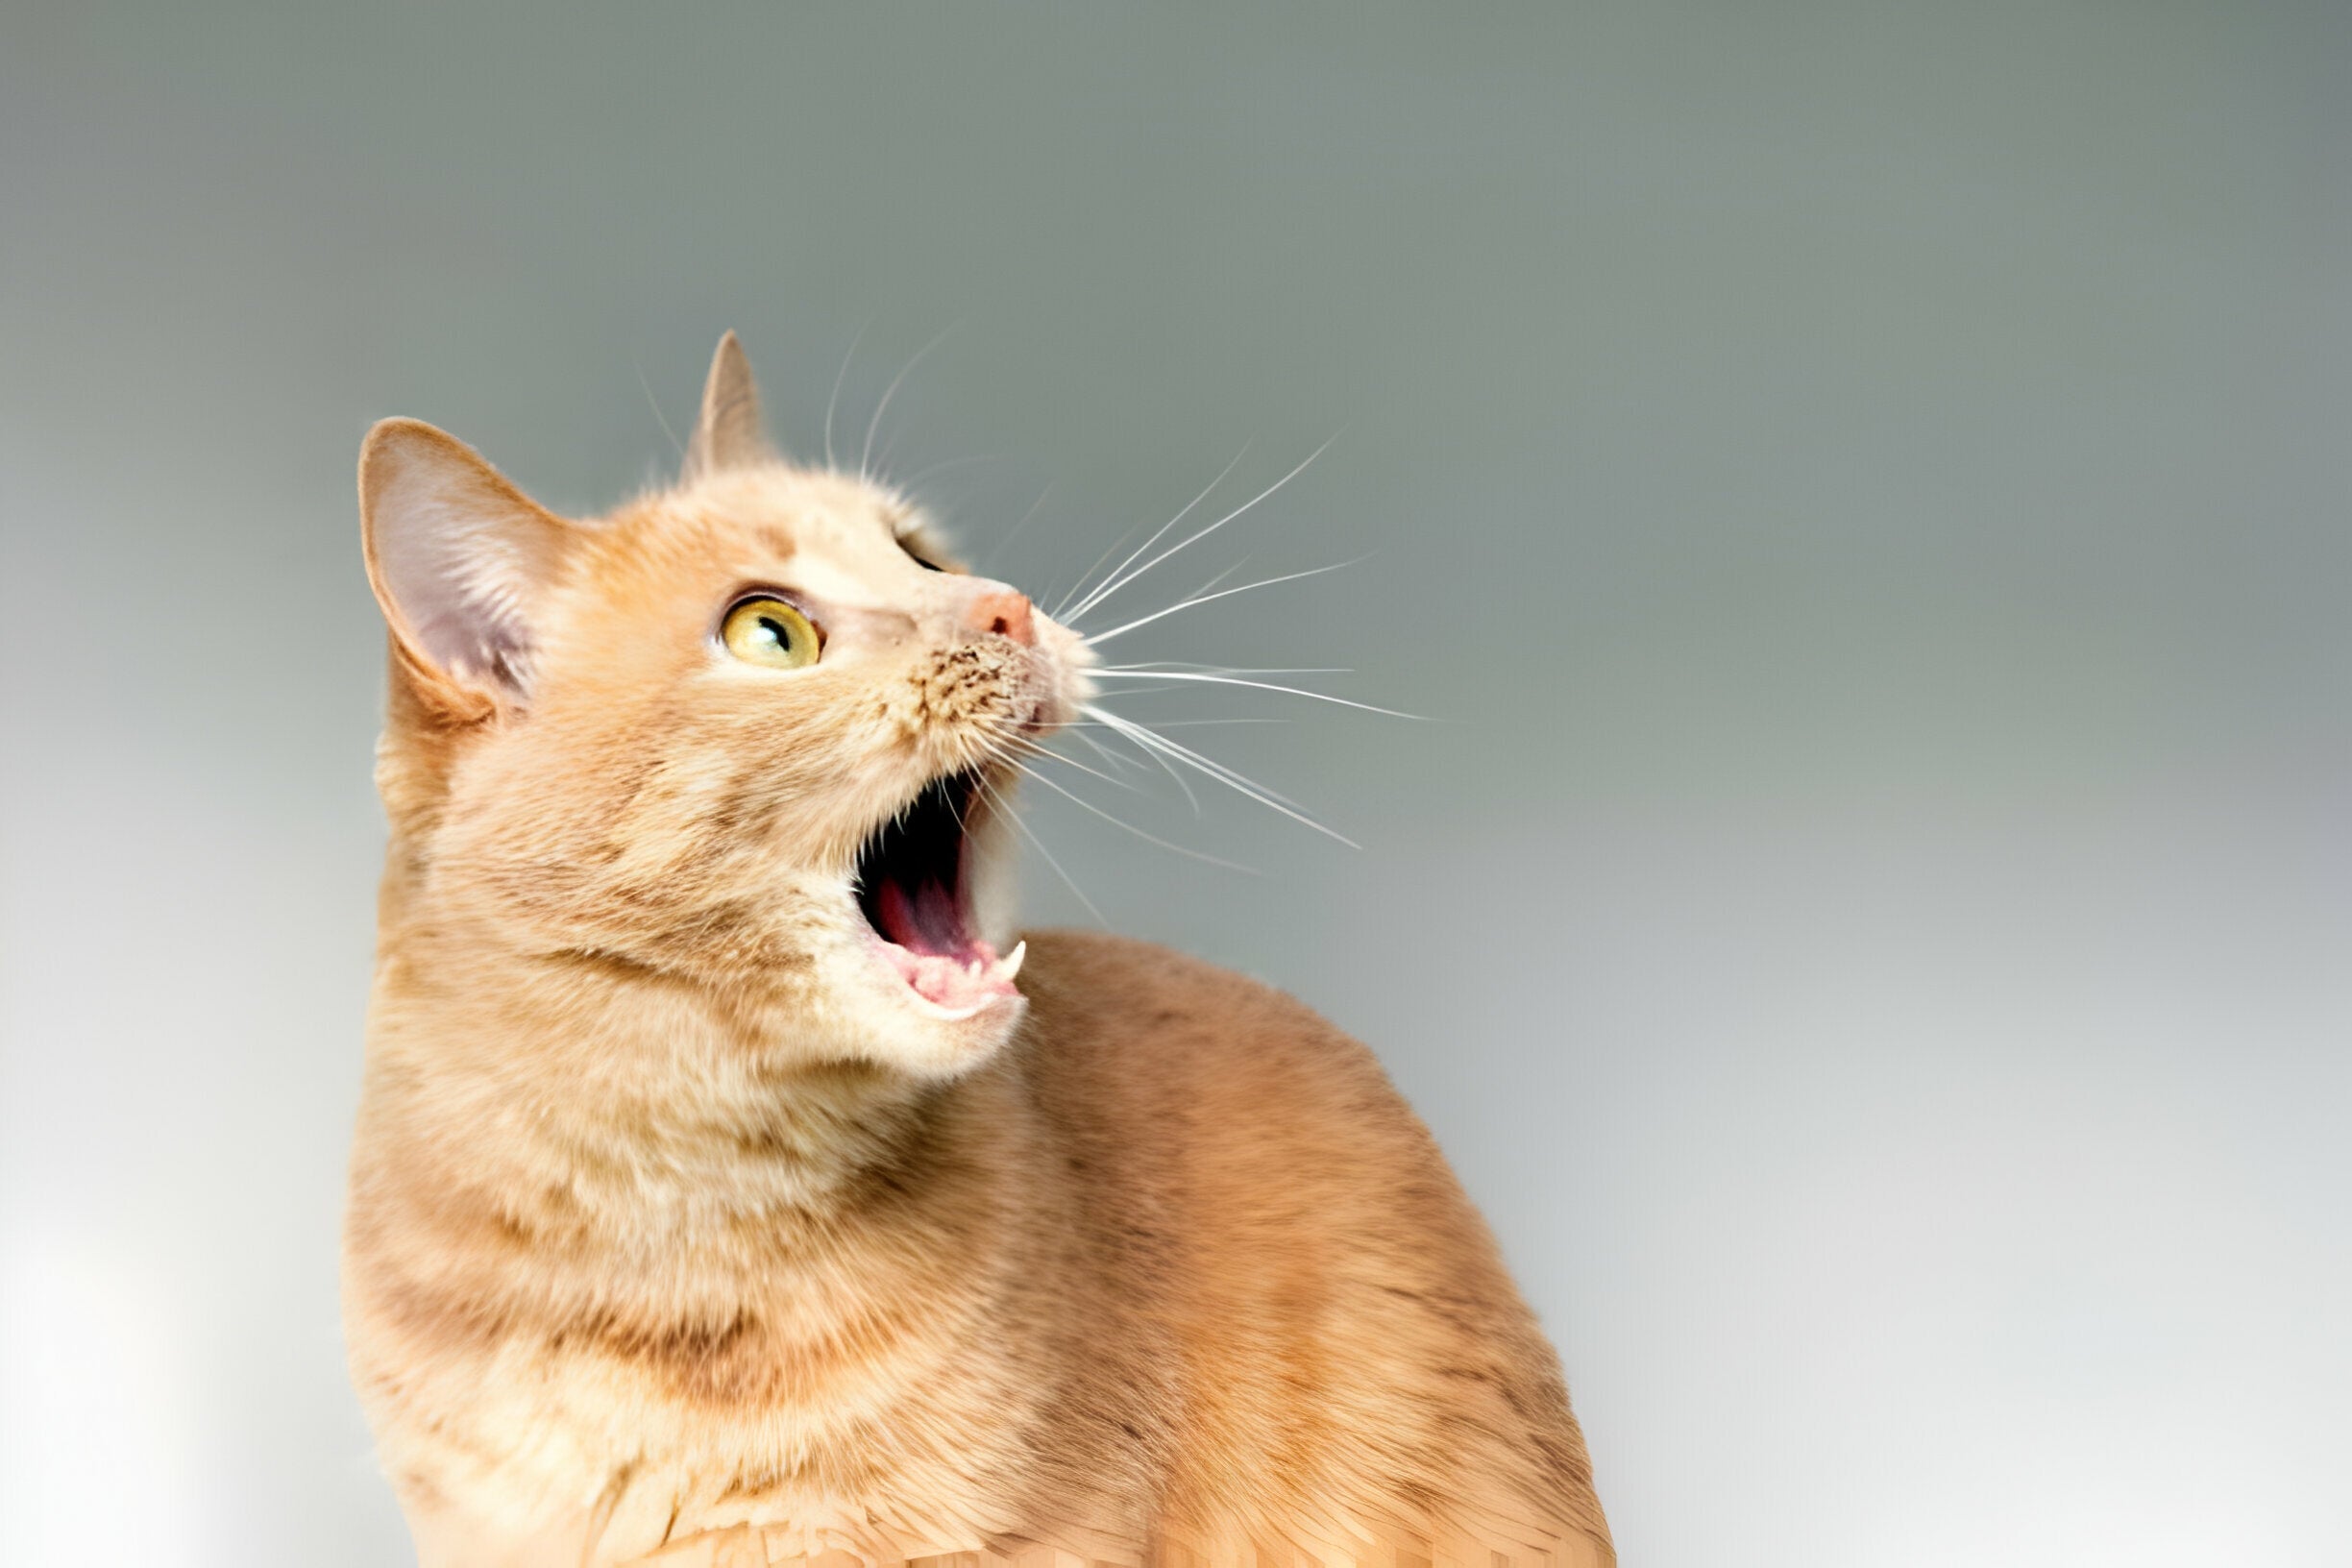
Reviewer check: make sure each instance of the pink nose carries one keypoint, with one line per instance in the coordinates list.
(1005, 613)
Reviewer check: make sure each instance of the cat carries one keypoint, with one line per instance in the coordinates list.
(730, 1187)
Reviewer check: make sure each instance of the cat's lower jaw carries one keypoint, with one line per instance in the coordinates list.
(955, 987)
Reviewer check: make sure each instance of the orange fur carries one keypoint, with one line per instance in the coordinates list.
(677, 1234)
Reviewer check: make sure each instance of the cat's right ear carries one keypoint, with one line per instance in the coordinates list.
(461, 562)
(729, 433)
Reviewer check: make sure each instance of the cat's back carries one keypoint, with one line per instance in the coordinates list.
(1344, 1320)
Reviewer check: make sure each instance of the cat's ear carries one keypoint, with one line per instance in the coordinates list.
(729, 433)
(460, 560)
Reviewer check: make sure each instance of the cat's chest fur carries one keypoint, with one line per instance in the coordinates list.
(573, 1332)
(604, 1452)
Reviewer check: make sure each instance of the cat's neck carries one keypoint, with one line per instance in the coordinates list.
(632, 1107)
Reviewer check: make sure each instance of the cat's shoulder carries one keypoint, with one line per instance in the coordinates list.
(1155, 1009)
(1129, 982)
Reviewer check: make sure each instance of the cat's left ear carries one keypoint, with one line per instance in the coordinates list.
(461, 562)
(729, 434)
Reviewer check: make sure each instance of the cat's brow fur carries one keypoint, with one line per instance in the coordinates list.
(667, 1241)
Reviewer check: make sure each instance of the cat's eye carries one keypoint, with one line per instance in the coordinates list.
(765, 629)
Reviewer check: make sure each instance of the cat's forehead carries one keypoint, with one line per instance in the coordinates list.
(796, 508)
(773, 512)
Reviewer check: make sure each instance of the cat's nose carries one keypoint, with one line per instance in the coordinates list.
(1004, 612)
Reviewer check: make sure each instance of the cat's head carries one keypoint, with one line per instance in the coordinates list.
(754, 734)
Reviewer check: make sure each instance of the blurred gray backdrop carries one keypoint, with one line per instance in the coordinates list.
(1861, 492)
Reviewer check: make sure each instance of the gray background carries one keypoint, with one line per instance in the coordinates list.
(1861, 490)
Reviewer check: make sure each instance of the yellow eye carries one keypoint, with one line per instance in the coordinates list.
(769, 631)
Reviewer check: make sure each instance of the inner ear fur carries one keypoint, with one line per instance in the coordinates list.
(461, 562)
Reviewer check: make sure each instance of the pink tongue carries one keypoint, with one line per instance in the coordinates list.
(937, 919)
(926, 924)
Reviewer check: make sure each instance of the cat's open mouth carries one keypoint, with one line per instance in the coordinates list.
(914, 888)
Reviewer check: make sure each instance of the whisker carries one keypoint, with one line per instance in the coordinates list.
(1153, 741)
(1032, 749)
(1056, 613)
(1125, 576)
(1203, 761)
(1222, 575)
(837, 376)
(1169, 767)
(888, 392)
(1156, 534)
(659, 418)
(1161, 666)
(1099, 749)
(1013, 532)
(1102, 637)
(1148, 837)
(1257, 685)
(930, 469)
(1244, 786)
(1139, 691)
(1173, 724)
(1005, 808)
(1153, 757)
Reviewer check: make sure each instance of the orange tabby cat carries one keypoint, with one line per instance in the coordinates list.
(727, 1191)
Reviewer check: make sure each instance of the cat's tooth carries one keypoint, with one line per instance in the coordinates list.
(1009, 965)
